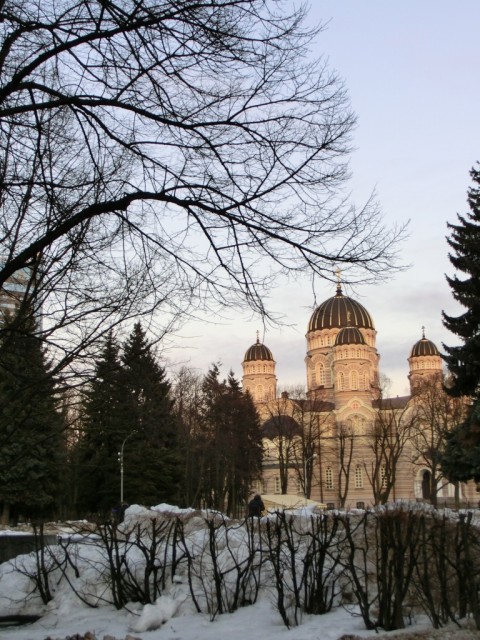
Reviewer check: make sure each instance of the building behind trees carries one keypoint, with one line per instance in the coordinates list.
(343, 442)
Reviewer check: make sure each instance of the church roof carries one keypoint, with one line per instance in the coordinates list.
(258, 351)
(388, 404)
(281, 426)
(340, 311)
(349, 335)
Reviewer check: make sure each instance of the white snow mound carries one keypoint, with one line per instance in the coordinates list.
(154, 615)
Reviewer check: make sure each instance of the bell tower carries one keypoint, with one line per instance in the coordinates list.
(259, 376)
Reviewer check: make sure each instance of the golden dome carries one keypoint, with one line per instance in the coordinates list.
(424, 347)
(258, 351)
(338, 312)
(349, 335)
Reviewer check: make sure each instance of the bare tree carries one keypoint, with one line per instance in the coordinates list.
(436, 415)
(284, 434)
(314, 418)
(157, 154)
(187, 394)
(345, 441)
(391, 431)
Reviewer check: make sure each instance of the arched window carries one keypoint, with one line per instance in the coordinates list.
(362, 382)
(341, 381)
(277, 484)
(358, 477)
(354, 380)
(260, 393)
(383, 476)
(321, 374)
(327, 376)
(329, 478)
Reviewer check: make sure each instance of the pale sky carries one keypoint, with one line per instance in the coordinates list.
(412, 72)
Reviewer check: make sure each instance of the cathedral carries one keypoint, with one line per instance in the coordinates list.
(343, 443)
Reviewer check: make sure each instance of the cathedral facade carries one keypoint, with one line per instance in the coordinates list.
(342, 443)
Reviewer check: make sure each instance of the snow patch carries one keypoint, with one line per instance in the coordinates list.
(154, 615)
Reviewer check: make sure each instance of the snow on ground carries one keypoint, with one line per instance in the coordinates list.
(258, 621)
(172, 617)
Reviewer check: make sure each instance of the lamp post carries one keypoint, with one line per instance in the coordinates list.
(120, 459)
(305, 461)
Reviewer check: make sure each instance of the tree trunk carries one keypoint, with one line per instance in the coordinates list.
(5, 517)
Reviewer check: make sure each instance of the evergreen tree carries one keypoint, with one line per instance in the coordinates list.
(152, 470)
(229, 445)
(128, 415)
(461, 459)
(31, 428)
(210, 445)
(187, 395)
(103, 431)
(246, 450)
(464, 361)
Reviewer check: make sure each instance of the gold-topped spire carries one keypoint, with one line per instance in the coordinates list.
(338, 273)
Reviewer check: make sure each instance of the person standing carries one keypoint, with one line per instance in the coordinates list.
(256, 507)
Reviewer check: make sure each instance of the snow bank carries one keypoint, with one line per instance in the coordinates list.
(154, 615)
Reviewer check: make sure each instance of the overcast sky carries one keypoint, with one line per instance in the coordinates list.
(412, 72)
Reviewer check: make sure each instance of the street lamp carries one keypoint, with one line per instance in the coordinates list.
(305, 461)
(120, 459)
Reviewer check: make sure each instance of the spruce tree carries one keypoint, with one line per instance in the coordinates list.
(461, 459)
(152, 470)
(464, 360)
(229, 445)
(31, 428)
(103, 433)
(245, 446)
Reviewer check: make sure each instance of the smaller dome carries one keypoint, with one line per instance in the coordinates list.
(349, 335)
(424, 347)
(258, 351)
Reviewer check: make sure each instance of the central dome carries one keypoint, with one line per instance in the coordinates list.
(338, 312)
